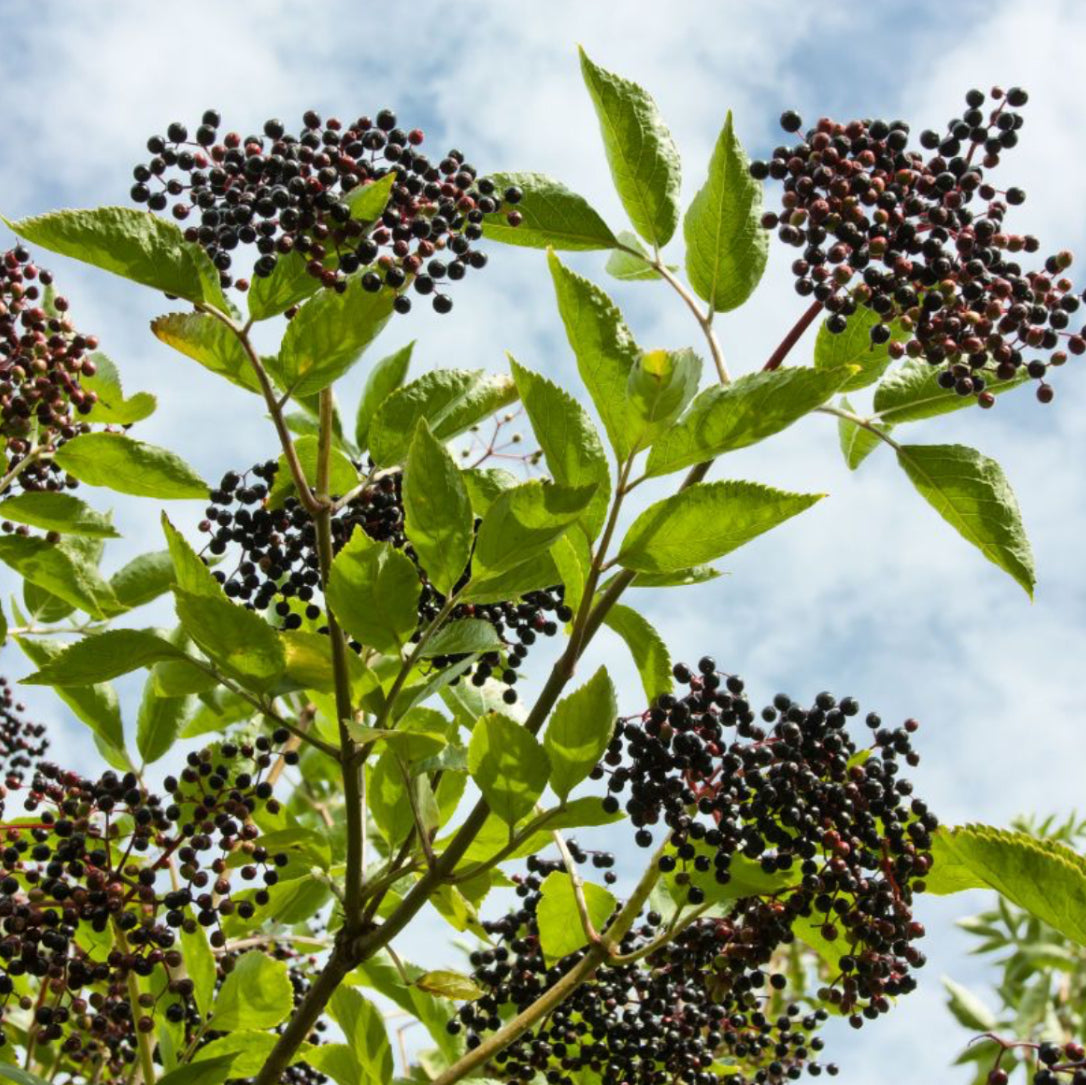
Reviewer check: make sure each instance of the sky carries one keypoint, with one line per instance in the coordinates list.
(869, 593)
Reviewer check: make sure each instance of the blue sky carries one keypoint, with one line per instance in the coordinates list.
(872, 594)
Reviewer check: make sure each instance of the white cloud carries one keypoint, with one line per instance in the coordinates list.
(870, 594)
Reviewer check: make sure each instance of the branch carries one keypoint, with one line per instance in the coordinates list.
(793, 337)
(578, 887)
(863, 423)
(143, 1039)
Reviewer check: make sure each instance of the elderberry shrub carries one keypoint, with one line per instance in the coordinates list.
(22, 743)
(681, 1011)
(922, 244)
(42, 360)
(277, 564)
(790, 802)
(284, 193)
(99, 876)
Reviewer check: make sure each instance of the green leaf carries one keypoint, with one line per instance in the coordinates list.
(681, 578)
(329, 335)
(647, 647)
(1045, 877)
(658, 389)
(112, 406)
(43, 606)
(578, 732)
(912, 392)
(364, 1028)
(603, 346)
(571, 446)
(200, 967)
(136, 245)
(484, 484)
(208, 341)
(552, 216)
(449, 984)
(60, 568)
(509, 766)
(96, 705)
(726, 244)
(853, 346)
(189, 571)
(969, 1009)
(144, 578)
(627, 267)
(256, 995)
(245, 1051)
(857, 442)
(725, 418)
(238, 640)
(642, 155)
(57, 512)
(561, 931)
(523, 522)
(384, 379)
(159, 722)
(972, 494)
(19, 1076)
(466, 636)
(585, 812)
(288, 285)
(104, 656)
(705, 522)
(410, 745)
(389, 800)
(451, 401)
(374, 591)
(129, 467)
(342, 476)
(368, 200)
(437, 511)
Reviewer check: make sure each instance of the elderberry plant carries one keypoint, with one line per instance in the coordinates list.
(342, 638)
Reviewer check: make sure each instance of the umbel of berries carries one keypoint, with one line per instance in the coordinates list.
(43, 360)
(792, 796)
(358, 197)
(922, 242)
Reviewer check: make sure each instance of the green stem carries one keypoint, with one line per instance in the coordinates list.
(863, 423)
(143, 1039)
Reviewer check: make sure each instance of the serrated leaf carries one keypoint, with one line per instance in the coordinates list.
(551, 216)
(211, 343)
(103, 656)
(438, 519)
(912, 392)
(288, 285)
(57, 512)
(449, 984)
(642, 155)
(509, 766)
(451, 401)
(647, 647)
(374, 591)
(136, 245)
(159, 721)
(364, 1028)
(523, 522)
(484, 484)
(603, 346)
(853, 346)
(368, 200)
(857, 442)
(128, 466)
(561, 931)
(725, 418)
(60, 568)
(384, 378)
(189, 571)
(726, 244)
(144, 578)
(578, 732)
(465, 636)
(704, 522)
(1045, 877)
(236, 639)
(658, 390)
(256, 995)
(973, 495)
(328, 336)
(200, 966)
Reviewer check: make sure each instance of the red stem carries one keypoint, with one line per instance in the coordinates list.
(790, 340)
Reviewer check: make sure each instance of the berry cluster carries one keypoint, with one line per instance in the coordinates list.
(795, 800)
(305, 193)
(88, 865)
(922, 242)
(1068, 1060)
(277, 564)
(42, 361)
(22, 743)
(674, 1013)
